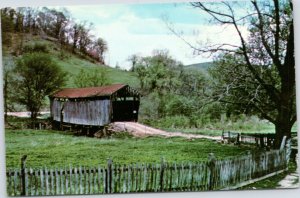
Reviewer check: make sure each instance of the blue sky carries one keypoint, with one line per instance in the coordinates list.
(141, 29)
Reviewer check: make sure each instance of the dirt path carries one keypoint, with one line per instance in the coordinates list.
(291, 180)
(25, 114)
(141, 130)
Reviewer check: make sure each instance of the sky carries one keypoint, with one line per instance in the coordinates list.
(142, 28)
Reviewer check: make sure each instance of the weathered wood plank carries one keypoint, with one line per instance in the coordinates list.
(47, 181)
(52, 192)
(80, 180)
(37, 188)
(57, 184)
(61, 182)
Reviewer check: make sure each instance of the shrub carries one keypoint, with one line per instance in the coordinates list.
(174, 122)
(36, 47)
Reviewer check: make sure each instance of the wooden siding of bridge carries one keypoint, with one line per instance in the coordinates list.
(86, 112)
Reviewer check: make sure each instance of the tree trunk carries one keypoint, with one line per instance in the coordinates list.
(5, 90)
(283, 124)
(281, 130)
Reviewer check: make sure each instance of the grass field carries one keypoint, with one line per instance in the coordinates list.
(60, 149)
(263, 128)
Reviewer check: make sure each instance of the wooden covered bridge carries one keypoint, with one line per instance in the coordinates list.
(94, 106)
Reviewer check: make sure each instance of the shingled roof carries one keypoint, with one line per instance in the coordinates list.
(88, 92)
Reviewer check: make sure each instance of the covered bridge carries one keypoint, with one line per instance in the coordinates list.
(95, 106)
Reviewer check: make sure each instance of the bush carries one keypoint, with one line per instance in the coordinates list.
(173, 122)
(36, 47)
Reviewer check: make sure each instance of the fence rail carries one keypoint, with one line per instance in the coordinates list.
(115, 178)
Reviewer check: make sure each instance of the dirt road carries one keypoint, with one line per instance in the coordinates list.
(141, 130)
(292, 179)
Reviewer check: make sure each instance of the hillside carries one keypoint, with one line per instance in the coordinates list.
(200, 66)
(71, 63)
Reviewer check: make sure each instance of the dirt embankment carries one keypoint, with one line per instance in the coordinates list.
(141, 130)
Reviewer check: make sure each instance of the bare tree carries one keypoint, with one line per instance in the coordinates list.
(258, 76)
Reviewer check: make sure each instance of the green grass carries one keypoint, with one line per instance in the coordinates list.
(262, 128)
(218, 132)
(59, 149)
(72, 63)
(73, 66)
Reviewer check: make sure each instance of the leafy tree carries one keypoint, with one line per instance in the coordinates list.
(38, 76)
(158, 72)
(133, 59)
(85, 38)
(100, 46)
(8, 85)
(169, 89)
(7, 25)
(257, 77)
(96, 77)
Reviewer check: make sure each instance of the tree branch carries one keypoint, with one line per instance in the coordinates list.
(275, 57)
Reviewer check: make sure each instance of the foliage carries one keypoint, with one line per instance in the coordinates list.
(94, 78)
(6, 26)
(58, 149)
(38, 76)
(56, 25)
(8, 84)
(36, 47)
(169, 91)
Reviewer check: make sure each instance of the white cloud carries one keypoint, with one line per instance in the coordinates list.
(128, 34)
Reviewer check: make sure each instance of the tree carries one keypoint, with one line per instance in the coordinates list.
(96, 77)
(100, 46)
(158, 72)
(85, 38)
(38, 76)
(133, 59)
(6, 26)
(8, 85)
(257, 77)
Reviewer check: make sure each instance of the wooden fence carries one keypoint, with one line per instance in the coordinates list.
(113, 178)
(259, 139)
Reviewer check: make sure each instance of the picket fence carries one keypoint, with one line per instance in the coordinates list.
(212, 174)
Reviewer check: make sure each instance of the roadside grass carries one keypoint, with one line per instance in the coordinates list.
(60, 149)
(268, 128)
(217, 131)
(271, 182)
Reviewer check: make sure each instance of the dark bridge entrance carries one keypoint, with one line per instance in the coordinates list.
(125, 110)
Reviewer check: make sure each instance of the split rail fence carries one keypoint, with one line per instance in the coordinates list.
(113, 178)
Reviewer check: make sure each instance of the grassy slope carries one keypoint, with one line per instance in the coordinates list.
(59, 149)
(200, 66)
(72, 64)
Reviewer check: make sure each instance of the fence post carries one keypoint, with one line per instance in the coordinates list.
(283, 142)
(288, 150)
(262, 143)
(108, 177)
(161, 180)
(23, 167)
(238, 139)
(211, 166)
